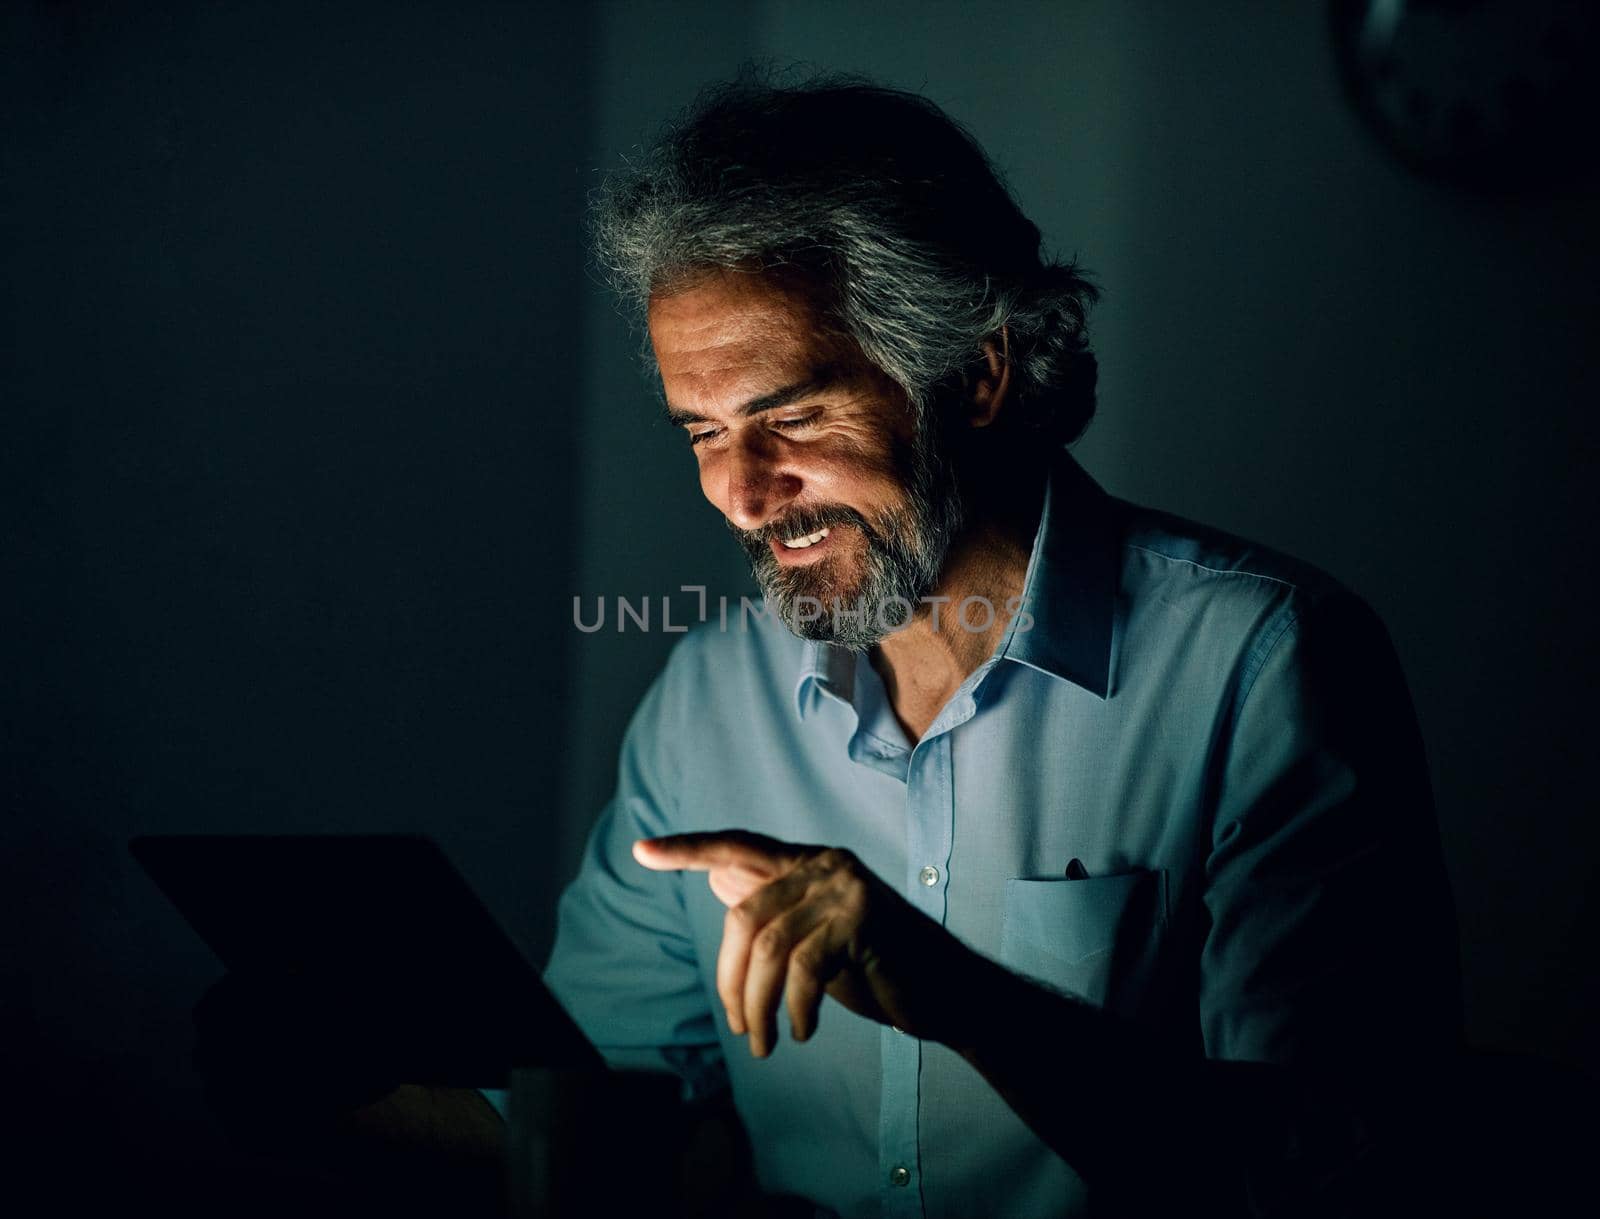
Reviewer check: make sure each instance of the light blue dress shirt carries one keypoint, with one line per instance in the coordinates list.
(1219, 734)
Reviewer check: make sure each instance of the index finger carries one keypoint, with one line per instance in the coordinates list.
(700, 852)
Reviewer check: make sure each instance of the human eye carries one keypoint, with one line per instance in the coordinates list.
(701, 436)
(794, 423)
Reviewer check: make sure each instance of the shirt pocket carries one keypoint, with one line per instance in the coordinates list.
(1097, 938)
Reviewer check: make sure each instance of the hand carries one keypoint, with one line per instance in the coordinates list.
(804, 921)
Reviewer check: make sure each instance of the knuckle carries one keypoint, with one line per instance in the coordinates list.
(853, 899)
(836, 859)
(769, 943)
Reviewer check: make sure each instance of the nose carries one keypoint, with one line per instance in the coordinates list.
(758, 487)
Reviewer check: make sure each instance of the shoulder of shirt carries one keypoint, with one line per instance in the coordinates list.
(1181, 578)
(1271, 597)
(1167, 555)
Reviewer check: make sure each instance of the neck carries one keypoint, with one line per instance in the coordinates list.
(924, 663)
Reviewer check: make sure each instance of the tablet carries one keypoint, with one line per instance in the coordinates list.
(384, 911)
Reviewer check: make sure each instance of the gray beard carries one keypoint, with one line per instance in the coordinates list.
(905, 556)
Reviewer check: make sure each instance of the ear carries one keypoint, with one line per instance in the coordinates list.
(988, 391)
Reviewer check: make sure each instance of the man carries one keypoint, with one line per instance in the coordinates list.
(1041, 815)
(1059, 800)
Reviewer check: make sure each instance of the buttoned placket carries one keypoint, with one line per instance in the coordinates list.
(930, 834)
(928, 773)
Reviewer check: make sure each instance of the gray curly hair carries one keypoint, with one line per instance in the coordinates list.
(888, 208)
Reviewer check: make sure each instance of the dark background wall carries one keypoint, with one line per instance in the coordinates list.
(291, 388)
(315, 425)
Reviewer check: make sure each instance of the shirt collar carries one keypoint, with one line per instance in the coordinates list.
(1071, 587)
(1069, 593)
(824, 667)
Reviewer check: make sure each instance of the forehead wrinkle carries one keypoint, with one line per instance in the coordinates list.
(728, 373)
(728, 340)
(723, 377)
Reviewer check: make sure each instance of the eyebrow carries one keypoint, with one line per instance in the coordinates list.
(815, 383)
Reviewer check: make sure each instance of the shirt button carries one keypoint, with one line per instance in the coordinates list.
(929, 876)
(899, 1175)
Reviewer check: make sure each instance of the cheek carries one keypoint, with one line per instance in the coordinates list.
(855, 470)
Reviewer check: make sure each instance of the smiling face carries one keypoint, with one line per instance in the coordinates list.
(814, 457)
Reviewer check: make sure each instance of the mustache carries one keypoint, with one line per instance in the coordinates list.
(801, 522)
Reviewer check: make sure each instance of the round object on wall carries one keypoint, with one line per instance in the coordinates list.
(1498, 94)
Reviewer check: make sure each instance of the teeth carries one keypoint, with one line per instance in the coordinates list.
(811, 539)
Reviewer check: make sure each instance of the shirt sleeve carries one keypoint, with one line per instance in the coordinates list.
(1332, 932)
(624, 964)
